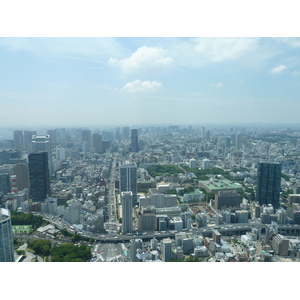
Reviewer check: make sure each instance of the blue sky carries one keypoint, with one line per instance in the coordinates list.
(135, 81)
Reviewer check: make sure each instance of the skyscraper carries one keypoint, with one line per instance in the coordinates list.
(18, 139)
(268, 183)
(42, 143)
(6, 237)
(134, 140)
(21, 170)
(28, 140)
(86, 137)
(128, 180)
(238, 141)
(39, 176)
(97, 142)
(126, 200)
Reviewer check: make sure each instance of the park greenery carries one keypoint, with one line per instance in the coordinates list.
(20, 218)
(68, 252)
(160, 170)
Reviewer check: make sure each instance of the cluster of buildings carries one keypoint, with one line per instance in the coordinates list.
(74, 173)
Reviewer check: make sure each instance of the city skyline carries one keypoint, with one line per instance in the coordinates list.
(107, 81)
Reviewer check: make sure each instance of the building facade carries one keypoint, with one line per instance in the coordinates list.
(134, 140)
(126, 200)
(6, 237)
(39, 176)
(128, 180)
(268, 183)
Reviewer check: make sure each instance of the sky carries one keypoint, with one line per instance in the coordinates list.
(90, 81)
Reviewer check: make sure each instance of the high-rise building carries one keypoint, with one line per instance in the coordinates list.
(86, 137)
(42, 143)
(18, 139)
(268, 183)
(238, 141)
(97, 142)
(6, 237)
(126, 200)
(22, 173)
(39, 176)
(166, 249)
(134, 140)
(5, 183)
(128, 180)
(28, 134)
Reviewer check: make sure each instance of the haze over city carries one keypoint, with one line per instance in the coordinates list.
(109, 81)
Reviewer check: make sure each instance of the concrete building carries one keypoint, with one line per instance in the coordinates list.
(280, 245)
(205, 164)
(97, 142)
(193, 163)
(72, 212)
(128, 180)
(6, 237)
(42, 143)
(242, 216)
(126, 200)
(166, 249)
(147, 219)
(22, 173)
(225, 199)
(134, 140)
(18, 139)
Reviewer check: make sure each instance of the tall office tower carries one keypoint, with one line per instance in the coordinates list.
(60, 153)
(125, 132)
(6, 237)
(268, 183)
(128, 180)
(134, 140)
(166, 249)
(227, 142)
(22, 172)
(39, 176)
(52, 134)
(126, 200)
(28, 134)
(97, 142)
(18, 139)
(117, 133)
(5, 186)
(42, 143)
(238, 141)
(86, 137)
(203, 132)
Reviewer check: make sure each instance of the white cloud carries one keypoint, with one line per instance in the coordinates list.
(144, 59)
(222, 49)
(217, 85)
(138, 86)
(278, 69)
(291, 41)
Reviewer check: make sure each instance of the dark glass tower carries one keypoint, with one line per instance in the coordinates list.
(134, 140)
(268, 183)
(39, 176)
